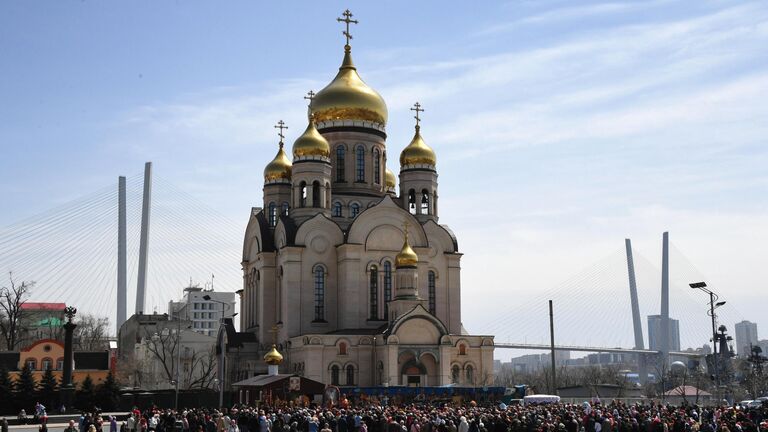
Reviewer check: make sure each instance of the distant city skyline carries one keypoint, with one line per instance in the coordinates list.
(562, 127)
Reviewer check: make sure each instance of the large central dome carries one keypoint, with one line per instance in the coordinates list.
(347, 97)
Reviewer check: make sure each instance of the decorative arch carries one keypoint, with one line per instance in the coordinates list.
(386, 212)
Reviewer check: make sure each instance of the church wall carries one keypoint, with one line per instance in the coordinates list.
(350, 141)
(291, 261)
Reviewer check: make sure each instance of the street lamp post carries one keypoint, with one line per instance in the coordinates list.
(713, 304)
(222, 365)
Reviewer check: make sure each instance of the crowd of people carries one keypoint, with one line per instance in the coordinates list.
(611, 417)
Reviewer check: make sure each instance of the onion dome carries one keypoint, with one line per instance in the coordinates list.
(347, 97)
(273, 357)
(279, 168)
(389, 179)
(311, 143)
(417, 152)
(407, 258)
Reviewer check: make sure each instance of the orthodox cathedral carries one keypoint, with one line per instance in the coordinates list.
(346, 270)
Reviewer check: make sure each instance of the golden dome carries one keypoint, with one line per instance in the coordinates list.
(418, 152)
(347, 97)
(407, 257)
(279, 168)
(311, 143)
(273, 357)
(389, 179)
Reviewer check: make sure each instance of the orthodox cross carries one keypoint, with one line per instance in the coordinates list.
(310, 97)
(405, 230)
(417, 107)
(347, 19)
(273, 330)
(281, 125)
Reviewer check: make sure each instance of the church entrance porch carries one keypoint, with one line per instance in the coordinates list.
(418, 370)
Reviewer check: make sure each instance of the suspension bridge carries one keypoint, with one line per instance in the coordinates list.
(71, 253)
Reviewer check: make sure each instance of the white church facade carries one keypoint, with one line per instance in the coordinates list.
(346, 269)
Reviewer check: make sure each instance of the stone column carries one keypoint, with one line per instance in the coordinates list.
(67, 390)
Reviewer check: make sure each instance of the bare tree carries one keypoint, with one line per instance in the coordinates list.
(163, 345)
(12, 298)
(200, 369)
(91, 332)
(199, 366)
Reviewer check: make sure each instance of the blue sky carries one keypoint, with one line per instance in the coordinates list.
(561, 127)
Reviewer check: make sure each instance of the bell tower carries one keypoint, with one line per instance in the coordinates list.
(418, 175)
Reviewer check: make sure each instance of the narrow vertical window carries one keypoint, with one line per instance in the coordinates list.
(374, 293)
(360, 164)
(302, 194)
(319, 293)
(350, 375)
(337, 209)
(354, 210)
(376, 166)
(340, 161)
(412, 201)
(455, 371)
(432, 292)
(424, 202)
(285, 209)
(470, 375)
(334, 375)
(272, 214)
(387, 287)
(316, 194)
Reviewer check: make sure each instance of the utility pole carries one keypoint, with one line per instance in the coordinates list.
(552, 347)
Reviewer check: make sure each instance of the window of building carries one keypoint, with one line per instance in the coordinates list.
(319, 293)
(342, 348)
(350, 375)
(337, 209)
(47, 364)
(424, 202)
(412, 201)
(340, 160)
(272, 214)
(360, 164)
(462, 349)
(60, 364)
(316, 194)
(374, 293)
(455, 372)
(376, 166)
(470, 375)
(354, 210)
(432, 292)
(334, 375)
(31, 364)
(285, 209)
(387, 287)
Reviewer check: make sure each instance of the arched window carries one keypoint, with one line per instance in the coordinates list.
(316, 194)
(319, 293)
(334, 375)
(350, 375)
(303, 194)
(354, 210)
(387, 287)
(360, 164)
(285, 209)
(46, 364)
(470, 375)
(455, 372)
(376, 166)
(412, 201)
(272, 214)
(462, 349)
(424, 202)
(337, 209)
(31, 364)
(374, 293)
(340, 161)
(342, 348)
(432, 292)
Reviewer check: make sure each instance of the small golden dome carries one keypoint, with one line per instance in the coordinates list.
(347, 97)
(389, 179)
(273, 357)
(407, 257)
(311, 143)
(279, 168)
(418, 152)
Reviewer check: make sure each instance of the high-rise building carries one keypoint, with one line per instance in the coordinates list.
(746, 336)
(204, 308)
(654, 333)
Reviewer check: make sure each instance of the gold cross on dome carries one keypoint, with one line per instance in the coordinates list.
(418, 109)
(273, 330)
(405, 230)
(281, 125)
(348, 20)
(310, 97)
